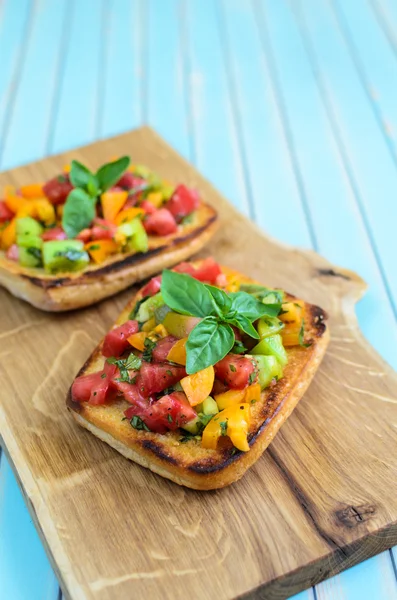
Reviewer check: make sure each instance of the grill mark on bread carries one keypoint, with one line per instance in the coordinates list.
(129, 260)
(158, 451)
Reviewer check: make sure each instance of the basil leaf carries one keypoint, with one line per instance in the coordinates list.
(250, 307)
(207, 343)
(110, 173)
(78, 212)
(133, 362)
(186, 295)
(221, 299)
(81, 177)
(245, 325)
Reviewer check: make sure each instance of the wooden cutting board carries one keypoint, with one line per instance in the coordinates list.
(322, 498)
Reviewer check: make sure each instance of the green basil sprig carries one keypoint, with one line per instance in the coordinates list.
(79, 209)
(213, 337)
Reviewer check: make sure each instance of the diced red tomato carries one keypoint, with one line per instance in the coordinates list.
(235, 371)
(131, 393)
(56, 233)
(84, 235)
(95, 388)
(152, 287)
(116, 341)
(13, 252)
(207, 271)
(148, 207)
(156, 377)
(5, 213)
(182, 202)
(103, 229)
(58, 189)
(160, 222)
(128, 181)
(169, 412)
(163, 347)
(219, 387)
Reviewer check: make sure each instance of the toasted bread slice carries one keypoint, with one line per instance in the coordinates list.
(75, 290)
(187, 463)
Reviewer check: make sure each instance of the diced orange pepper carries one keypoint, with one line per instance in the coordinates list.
(233, 422)
(177, 354)
(33, 190)
(155, 198)
(229, 398)
(137, 340)
(252, 393)
(112, 203)
(16, 203)
(100, 250)
(128, 214)
(149, 325)
(44, 211)
(59, 210)
(66, 168)
(8, 235)
(198, 386)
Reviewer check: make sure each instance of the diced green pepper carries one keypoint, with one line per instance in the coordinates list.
(62, 256)
(27, 231)
(269, 368)
(272, 345)
(161, 312)
(147, 308)
(208, 407)
(135, 234)
(194, 427)
(269, 326)
(31, 256)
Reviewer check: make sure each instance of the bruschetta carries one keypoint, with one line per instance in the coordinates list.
(200, 371)
(83, 236)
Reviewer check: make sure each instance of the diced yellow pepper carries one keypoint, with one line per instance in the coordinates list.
(100, 250)
(149, 325)
(66, 168)
(44, 211)
(158, 333)
(198, 386)
(177, 354)
(31, 191)
(293, 320)
(155, 198)
(8, 235)
(252, 393)
(128, 214)
(137, 340)
(233, 422)
(229, 398)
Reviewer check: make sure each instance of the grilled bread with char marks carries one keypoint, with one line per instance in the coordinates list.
(188, 463)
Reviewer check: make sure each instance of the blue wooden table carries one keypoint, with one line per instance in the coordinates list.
(288, 107)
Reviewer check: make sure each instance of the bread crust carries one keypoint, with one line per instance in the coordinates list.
(75, 290)
(188, 463)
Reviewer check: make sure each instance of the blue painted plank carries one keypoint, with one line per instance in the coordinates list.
(270, 169)
(165, 97)
(24, 568)
(77, 115)
(122, 71)
(386, 13)
(32, 108)
(368, 158)
(370, 580)
(14, 26)
(329, 194)
(215, 144)
(376, 63)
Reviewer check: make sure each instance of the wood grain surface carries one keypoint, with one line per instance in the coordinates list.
(322, 498)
